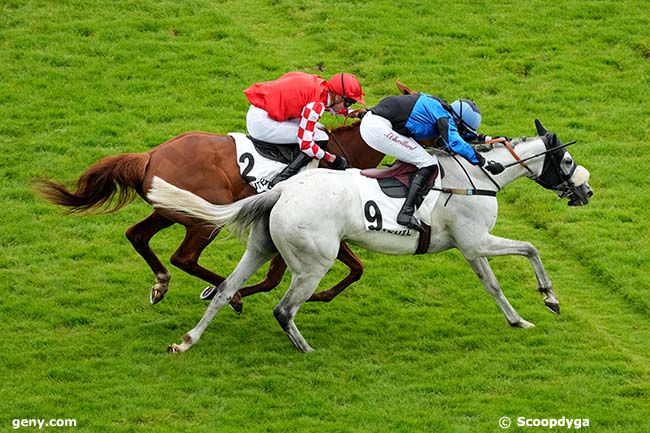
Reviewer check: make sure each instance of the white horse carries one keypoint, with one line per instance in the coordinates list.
(307, 217)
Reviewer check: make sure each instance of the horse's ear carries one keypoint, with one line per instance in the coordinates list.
(540, 128)
(403, 88)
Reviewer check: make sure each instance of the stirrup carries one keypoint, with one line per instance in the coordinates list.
(412, 223)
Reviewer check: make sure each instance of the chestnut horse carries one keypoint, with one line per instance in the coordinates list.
(205, 164)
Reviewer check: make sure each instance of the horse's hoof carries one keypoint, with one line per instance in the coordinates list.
(554, 307)
(174, 348)
(208, 293)
(237, 307)
(156, 296)
(522, 324)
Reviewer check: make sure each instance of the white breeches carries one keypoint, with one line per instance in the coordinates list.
(378, 133)
(262, 127)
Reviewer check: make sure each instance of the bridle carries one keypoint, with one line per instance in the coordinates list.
(550, 171)
(552, 177)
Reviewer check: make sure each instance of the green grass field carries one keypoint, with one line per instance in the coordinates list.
(416, 345)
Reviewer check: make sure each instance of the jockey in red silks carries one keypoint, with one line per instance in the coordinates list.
(288, 109)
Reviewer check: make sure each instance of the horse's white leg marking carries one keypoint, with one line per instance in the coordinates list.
(483, 270)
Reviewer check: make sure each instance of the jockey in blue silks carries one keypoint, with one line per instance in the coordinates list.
(393, 126)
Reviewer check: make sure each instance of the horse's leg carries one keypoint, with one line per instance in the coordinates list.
(273, 278)
(258, 251)
(497, 246)
(301, 288)
(356, 270)
(309, 261)
(139, 235)
(483, 270)
(186, 256)
(248, 265)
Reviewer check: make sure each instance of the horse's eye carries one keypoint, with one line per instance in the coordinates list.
(568, 161)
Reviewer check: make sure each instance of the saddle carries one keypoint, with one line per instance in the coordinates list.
(284, 153)
(395, 180)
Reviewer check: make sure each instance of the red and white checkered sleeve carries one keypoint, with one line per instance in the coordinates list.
(308, 120)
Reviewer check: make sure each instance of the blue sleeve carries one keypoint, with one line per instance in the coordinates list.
(457, 145)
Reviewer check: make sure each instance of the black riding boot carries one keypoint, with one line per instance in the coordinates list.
(292, 168)
(413, 199)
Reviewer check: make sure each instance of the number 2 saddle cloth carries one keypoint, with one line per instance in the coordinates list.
(260, 162)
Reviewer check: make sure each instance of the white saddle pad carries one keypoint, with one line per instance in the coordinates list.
(255, 169)
(380, 211)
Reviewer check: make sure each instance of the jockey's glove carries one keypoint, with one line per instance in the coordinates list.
(494, 167)
(491, 166)
(340, 163)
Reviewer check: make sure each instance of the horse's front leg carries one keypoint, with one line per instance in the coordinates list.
(497, 246)
(483, 270)
(356, 270)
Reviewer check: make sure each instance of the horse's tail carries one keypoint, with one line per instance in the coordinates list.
(239, 215)
(119, 176)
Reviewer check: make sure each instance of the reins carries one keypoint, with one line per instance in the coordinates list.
(486, 192)
(508, 145)
(336, 142)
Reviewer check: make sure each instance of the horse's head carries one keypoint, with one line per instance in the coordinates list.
(560, 173)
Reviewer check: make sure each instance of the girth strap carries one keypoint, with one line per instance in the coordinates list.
(424, 240)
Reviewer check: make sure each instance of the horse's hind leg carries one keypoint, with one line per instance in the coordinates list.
(356, 270)
(248, 265)
(309, 261)
(139, 235)
(301, 288)
(278, 267)
(258, 252)
(483, 270)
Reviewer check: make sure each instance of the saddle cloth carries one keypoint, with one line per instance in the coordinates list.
(379, 210)
(256, 169)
